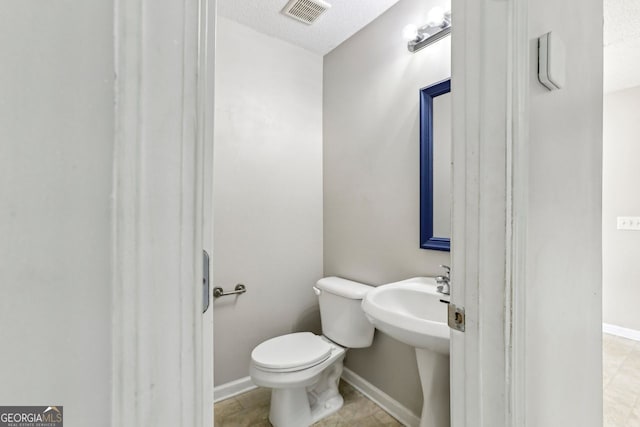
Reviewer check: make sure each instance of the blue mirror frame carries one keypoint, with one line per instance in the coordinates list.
(427, 239)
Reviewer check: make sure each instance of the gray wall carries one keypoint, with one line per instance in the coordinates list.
(267, 192)
(371, 174)
(621, 248)
(56, 142)
(564, 218)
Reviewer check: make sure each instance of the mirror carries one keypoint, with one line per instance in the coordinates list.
(435, 166)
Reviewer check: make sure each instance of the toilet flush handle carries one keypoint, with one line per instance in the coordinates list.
(317, 291)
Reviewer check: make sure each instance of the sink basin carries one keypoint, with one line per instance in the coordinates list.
(411, 312)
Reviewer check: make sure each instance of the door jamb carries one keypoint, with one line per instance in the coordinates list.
(163, 120)
(490, 82)
(206, 116)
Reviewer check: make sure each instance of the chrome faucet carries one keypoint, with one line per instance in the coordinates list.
(444, 285)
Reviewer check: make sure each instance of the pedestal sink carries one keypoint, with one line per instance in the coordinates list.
(411, 311)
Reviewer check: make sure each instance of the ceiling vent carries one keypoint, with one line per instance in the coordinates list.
(307, 11)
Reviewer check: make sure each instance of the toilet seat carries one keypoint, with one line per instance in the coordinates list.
(292, 352)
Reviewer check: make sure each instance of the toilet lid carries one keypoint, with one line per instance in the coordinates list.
(291, 352)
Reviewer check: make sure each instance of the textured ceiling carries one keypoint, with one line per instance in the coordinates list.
(345, 18)
(621, 44)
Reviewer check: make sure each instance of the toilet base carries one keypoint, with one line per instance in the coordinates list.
(300, 406)
(324, 396)
(289, 407)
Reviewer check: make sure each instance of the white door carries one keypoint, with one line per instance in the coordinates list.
(56, 150)
(101, 225)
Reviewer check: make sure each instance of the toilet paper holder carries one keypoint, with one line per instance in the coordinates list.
(219, 292)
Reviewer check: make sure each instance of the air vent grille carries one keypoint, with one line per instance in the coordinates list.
(306, 11)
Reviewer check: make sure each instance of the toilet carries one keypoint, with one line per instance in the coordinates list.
(303, 369)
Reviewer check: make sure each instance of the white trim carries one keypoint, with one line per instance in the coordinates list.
(157, 328)
(386, 402)
(488, 211)
(517, 208)
(205, 118)
(619, 331)
(383, 400)
(233, 388)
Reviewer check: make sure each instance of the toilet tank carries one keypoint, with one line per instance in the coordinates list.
(343, 320)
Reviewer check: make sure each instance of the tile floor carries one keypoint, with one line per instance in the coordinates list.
(621, 381)
(251, 409)
(621, 386)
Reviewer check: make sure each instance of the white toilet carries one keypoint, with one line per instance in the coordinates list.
(303, 369)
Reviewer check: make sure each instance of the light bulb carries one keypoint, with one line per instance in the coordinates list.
(435, 18)
(410, 32)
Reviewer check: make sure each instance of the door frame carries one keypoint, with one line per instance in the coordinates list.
(206, 111)
(162, 344)
(490, 188)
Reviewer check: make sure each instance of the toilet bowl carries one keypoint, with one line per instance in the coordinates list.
(303, 369)
(305, 390)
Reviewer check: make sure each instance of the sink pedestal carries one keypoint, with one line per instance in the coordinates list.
(434, 376)
(412, 312)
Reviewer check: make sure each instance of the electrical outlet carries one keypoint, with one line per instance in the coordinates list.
(629, 223)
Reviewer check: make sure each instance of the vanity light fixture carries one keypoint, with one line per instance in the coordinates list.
(438, 26)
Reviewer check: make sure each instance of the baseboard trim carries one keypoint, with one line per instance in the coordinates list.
(233, 388)
(386, 402)
(631, 334)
